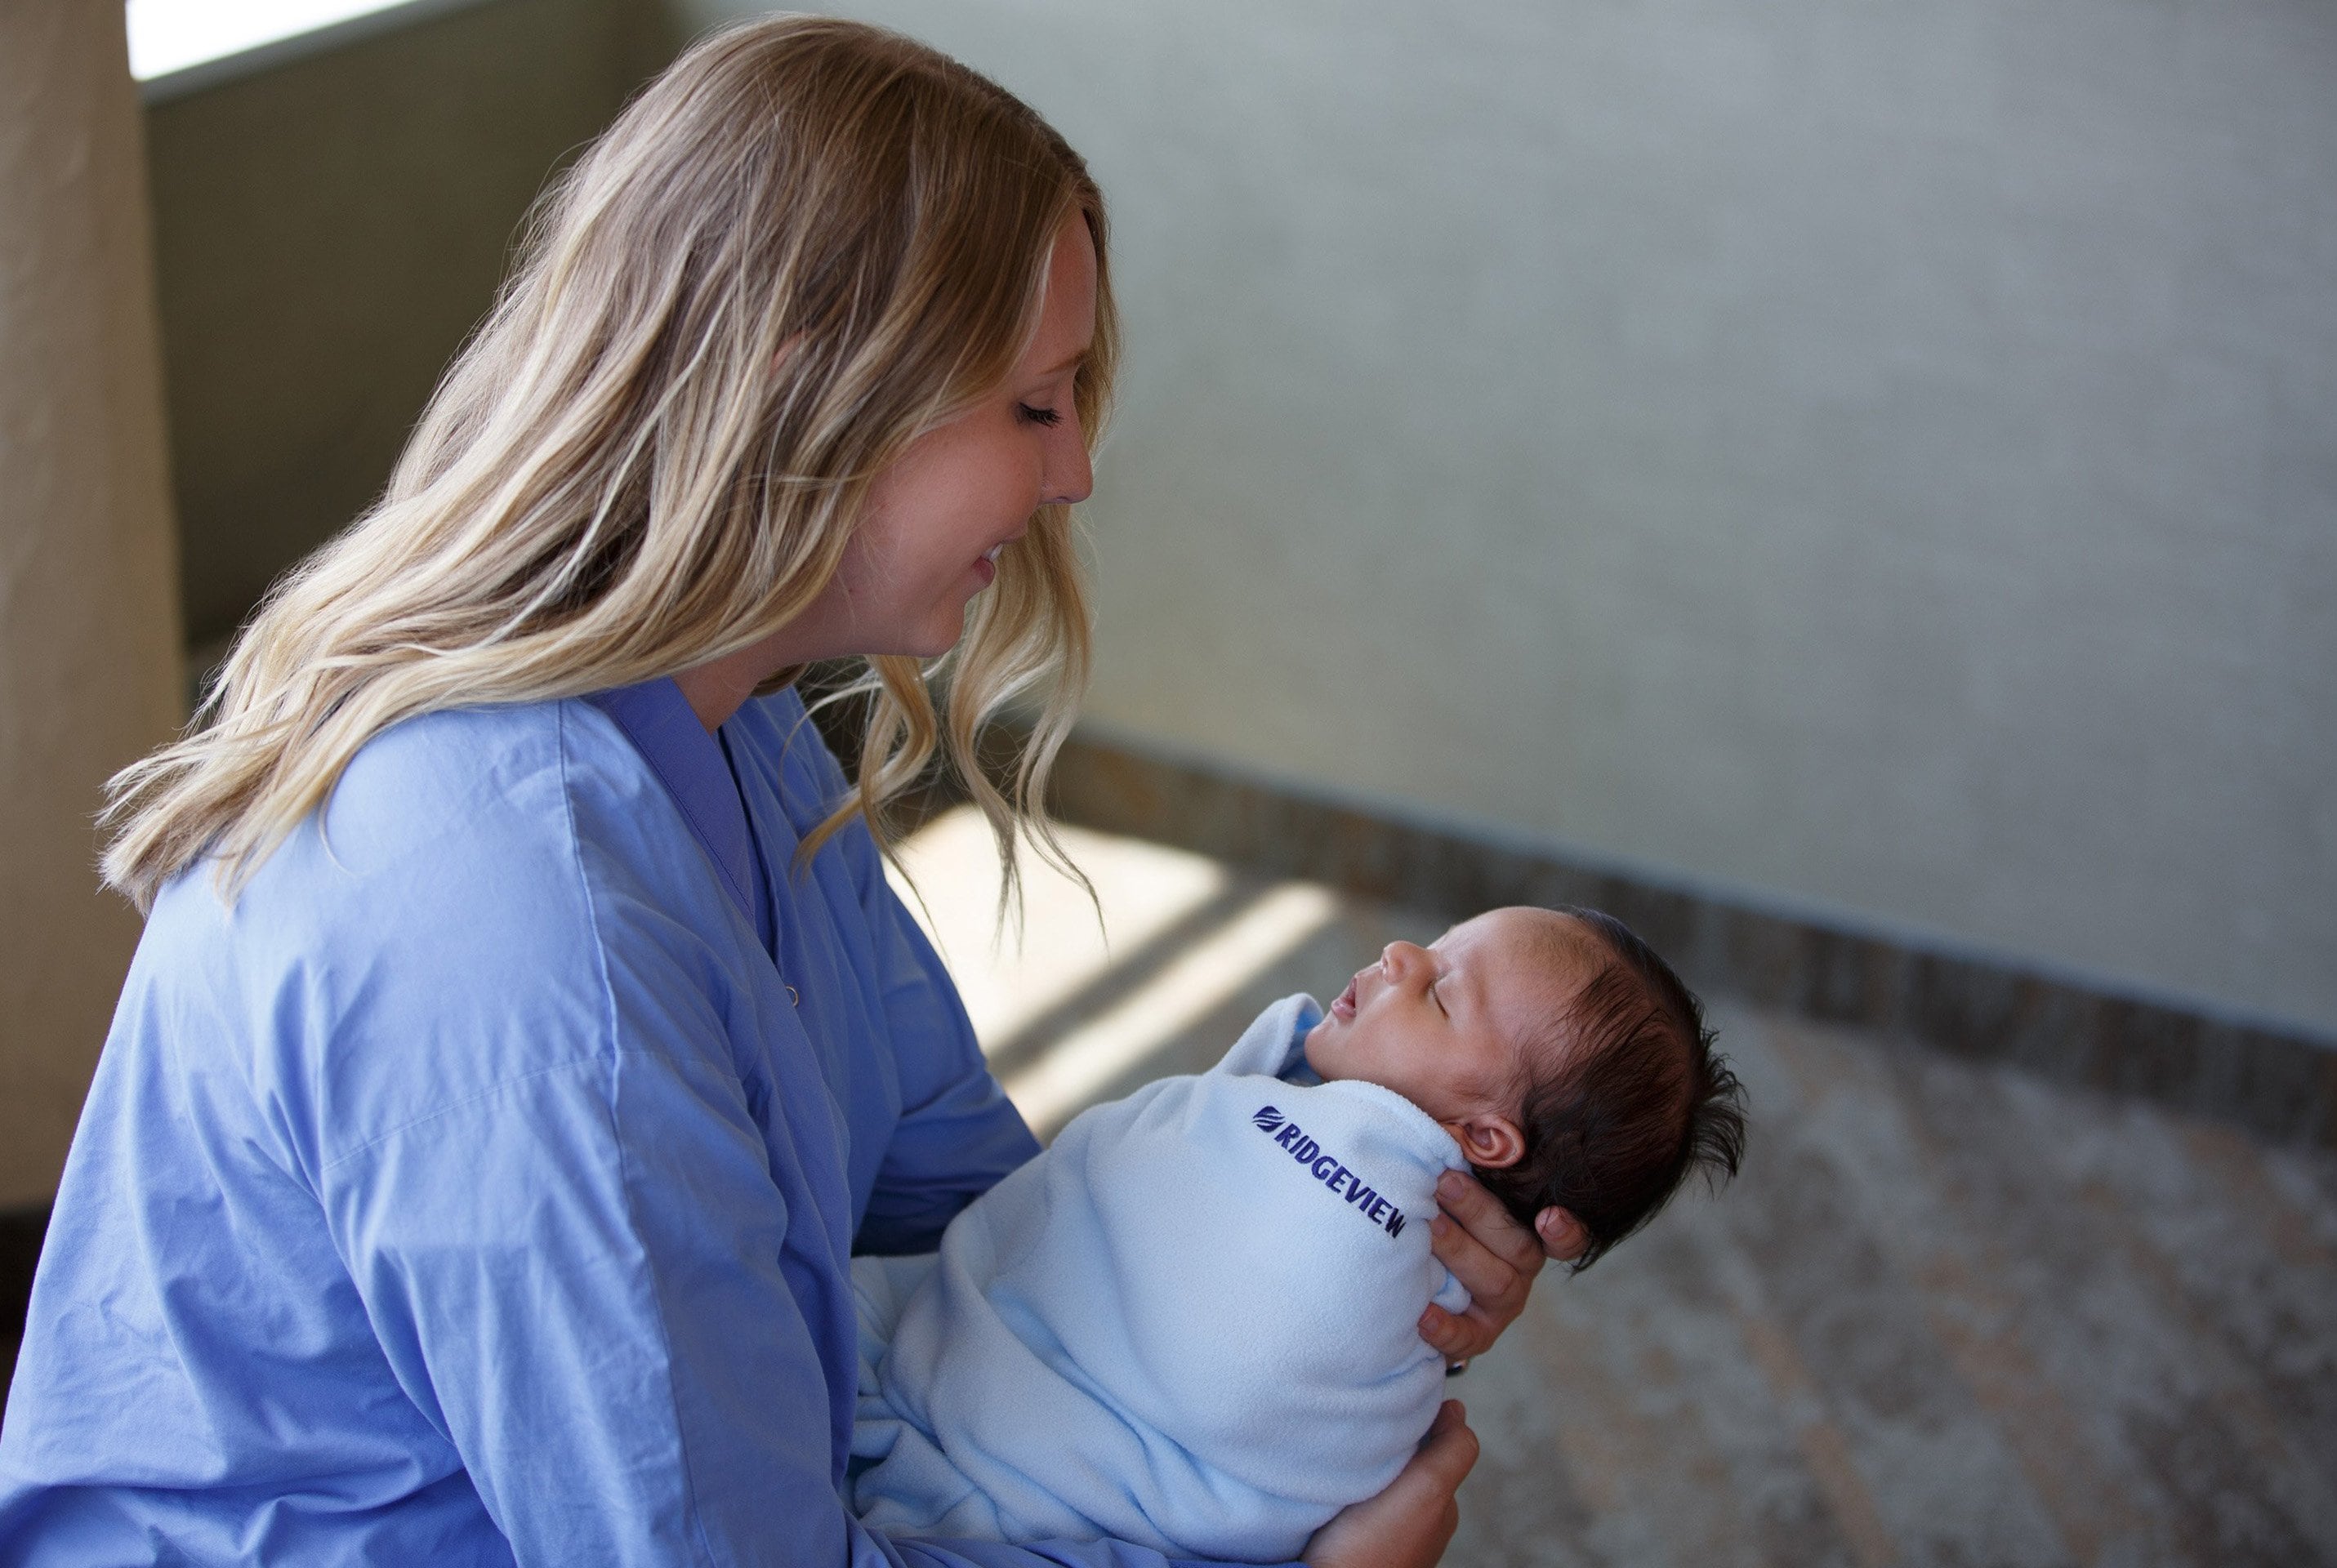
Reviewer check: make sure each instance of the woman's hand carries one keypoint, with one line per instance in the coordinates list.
(1408, 1524)
(1495, 1257)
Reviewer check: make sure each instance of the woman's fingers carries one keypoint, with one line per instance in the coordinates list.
(1493, 1256)
(1409, 1524)
(1481, 1214)
(1563, 1237)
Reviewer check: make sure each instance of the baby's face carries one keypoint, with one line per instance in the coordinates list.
(1445, 1026)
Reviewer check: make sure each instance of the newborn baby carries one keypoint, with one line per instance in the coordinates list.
(1191, 1323)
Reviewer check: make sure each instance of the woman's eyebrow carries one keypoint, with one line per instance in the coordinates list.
(1054, 371)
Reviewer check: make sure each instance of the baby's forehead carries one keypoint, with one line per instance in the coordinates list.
(1523, 945)
(1529, 962)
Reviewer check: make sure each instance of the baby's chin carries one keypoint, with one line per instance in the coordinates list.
(1321, 1050)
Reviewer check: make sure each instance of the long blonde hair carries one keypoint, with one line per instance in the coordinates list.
(805, 243)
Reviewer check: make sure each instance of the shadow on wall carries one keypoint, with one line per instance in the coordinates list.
(326, 232)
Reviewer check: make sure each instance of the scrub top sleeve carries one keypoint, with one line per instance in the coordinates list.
(585, 1279)
(958, 1133)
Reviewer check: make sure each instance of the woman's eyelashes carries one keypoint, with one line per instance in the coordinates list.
(1046, 416)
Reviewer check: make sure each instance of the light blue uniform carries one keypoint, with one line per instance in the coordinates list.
(1192, 1323)
(475, 1191)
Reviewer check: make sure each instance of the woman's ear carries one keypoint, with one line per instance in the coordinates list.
(1487, 1141)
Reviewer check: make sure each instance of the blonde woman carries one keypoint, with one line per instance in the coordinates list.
(523, 1035)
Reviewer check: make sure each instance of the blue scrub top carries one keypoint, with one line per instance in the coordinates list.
(479, 1188)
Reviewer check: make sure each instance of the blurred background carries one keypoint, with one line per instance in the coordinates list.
(1851, 485)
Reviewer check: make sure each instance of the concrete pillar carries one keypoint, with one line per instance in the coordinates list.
(90, 655)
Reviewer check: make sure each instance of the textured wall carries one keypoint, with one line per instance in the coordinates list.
(1880, 457)
(327, 231)
(89, 646)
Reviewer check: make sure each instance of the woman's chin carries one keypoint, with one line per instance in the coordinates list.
(929, 641)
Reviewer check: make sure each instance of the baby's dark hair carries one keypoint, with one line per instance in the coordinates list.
(1625, 1102)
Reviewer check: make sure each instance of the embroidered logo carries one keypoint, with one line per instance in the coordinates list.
(1328, 1169)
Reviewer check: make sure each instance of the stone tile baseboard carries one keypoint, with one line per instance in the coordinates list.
(2279, 1084)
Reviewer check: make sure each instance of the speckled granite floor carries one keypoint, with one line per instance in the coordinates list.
(1949, 1314)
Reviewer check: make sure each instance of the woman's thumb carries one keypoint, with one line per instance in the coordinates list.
(1450, 1449)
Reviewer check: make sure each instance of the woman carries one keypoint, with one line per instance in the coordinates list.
(523, 1034)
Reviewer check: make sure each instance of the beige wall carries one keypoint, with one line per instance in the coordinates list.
(1882, 460)
(1875, 463)
(327, 231)
(89, 643)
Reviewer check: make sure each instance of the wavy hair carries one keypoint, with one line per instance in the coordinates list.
(803, 245)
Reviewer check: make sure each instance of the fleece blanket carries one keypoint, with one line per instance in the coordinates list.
(1190, 1324)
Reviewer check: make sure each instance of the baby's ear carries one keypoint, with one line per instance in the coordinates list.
(1490, 1142)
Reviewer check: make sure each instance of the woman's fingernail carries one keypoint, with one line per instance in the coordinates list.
(1448, 1185)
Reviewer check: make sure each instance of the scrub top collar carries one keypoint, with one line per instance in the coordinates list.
(695, 767)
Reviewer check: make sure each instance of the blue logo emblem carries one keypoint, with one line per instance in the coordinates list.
(1328, 1169)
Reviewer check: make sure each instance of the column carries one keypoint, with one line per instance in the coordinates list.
(90, 655)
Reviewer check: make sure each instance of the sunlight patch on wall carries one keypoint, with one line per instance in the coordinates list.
(168, 36)
(1201, 980)
(1145, 888)
(1147, 891)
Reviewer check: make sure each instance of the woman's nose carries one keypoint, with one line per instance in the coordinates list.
(1069, 476)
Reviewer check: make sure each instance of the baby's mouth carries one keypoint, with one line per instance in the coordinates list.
(1343, 1006)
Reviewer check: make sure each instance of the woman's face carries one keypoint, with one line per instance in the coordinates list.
(939, 516)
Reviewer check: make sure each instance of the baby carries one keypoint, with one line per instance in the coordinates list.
(1192, 1323)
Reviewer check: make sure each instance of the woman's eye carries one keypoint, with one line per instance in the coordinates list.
(1046, 416)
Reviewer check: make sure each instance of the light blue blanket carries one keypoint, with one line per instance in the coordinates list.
(1189, 1324)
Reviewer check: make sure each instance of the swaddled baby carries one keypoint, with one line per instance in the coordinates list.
(1192, 1323)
